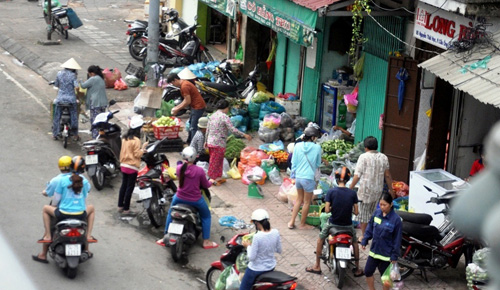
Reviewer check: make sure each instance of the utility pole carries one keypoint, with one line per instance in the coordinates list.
(49, 17)
(153, 42)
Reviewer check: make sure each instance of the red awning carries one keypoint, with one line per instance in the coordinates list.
(315, 4)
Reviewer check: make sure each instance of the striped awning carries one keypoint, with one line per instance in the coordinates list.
(477, 75)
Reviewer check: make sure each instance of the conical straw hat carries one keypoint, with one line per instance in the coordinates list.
(186, 74)
(71, 64)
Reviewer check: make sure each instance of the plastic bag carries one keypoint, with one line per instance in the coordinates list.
(287, 189)
(111, 76)
(242, 261)
(286, 121)
(272, 121)
(233, 280)
(132, 81)
(120, 85)
(269, 135)
(237, 120)
(225, 168)
(203, 165)
(272, 147)
(395, 274)
(419, 162)
(254, 110)
(400, 188)
(274, 176)
(272, 107)
(256, 171)
(233, 171)
(386, 277)
(227, 221)
(221, 281)
(244, 155)
(299, 123)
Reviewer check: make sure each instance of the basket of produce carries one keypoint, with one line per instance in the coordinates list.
(336, 149)
(166, 127)
(313, 215)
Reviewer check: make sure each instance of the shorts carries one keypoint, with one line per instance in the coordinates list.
(61, 216)
(325, 231)
(308, 185)
(372, 264)
(366, 211)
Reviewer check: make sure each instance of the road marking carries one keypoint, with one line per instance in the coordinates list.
(10, 78)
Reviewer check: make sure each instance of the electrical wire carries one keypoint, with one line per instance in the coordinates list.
(387, 9)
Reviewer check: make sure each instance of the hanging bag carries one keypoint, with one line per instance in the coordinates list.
(317, 172)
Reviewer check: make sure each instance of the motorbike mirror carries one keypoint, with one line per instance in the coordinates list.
(52, 82)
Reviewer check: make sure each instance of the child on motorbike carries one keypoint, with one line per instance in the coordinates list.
(341, 202)
(130, 160)
(69, 201)
(260, 249)
(191, 180)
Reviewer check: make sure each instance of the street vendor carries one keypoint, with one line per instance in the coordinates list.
(348, 134)
(192, 98)
(198, 141)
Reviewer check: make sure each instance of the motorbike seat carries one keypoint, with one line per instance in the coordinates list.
(275, 277)
(221, 87)
(143, 22)
(333, 231)
(152, 174)
(185, 207)
(93, 143)
(170, 42)
(417, 218)
(65, 105)
(422, 232)
(71, 223)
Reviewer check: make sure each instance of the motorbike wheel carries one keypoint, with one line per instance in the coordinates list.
(212, 277)
(70, 272)
(176, 250)
(144, 58)
(204, 56)
(155, 210)
(65, 141)
(404, 269)
(340, 278)
(98, 179)
(135, 48)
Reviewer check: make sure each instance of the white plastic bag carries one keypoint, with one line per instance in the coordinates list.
(225, 168)
(233, 281)
(419, 162)
(274, 176)
(203, 165)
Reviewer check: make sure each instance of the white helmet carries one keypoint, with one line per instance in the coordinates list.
(136, 122)
(260, 215)
(189, 154)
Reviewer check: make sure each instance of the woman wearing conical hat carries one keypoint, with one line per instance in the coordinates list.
(66, 81)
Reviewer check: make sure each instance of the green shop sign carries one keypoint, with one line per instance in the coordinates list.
(296, 22)
(226, 7)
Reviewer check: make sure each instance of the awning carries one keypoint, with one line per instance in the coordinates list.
(226, 7)
(478, 77)
(315, 4)
(296, 22)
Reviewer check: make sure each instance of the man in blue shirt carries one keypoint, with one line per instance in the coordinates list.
(341, 202)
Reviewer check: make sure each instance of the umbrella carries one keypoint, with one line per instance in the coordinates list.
(402, 76)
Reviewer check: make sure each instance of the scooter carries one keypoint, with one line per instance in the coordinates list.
(337, 254)
(426, 247)
(65, 122)
(103, 154)
(269, 280)
(154, 187)
(69, 240)
(192, 50)
(184, 229)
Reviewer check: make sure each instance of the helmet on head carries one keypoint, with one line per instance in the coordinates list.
(136, 122)
(312, 131)
(260, 215)
(78, 164)
(189, 154)
(64, 163)
(343, 174)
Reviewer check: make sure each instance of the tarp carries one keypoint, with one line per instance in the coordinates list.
(226, 7)
(294, 21)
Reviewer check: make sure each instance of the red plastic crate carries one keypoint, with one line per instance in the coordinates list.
(161, 132)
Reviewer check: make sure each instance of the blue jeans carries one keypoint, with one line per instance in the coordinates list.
(56, 128)
(193, 123)
(201, 205)
(249, 278)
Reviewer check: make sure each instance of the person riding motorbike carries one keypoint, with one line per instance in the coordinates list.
(260, 249)
(69, 201)
(191, 180)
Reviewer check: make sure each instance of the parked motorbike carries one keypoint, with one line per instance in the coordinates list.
(337, 254)
(192, 50)
(184, 229)
(103, 154)
(269, 280)
(424, 246)
(155, 188)
(69, 240)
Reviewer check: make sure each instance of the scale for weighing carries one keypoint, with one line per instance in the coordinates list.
(254, 190)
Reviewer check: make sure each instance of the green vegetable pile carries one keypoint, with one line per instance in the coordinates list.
(260, 97)
(233, 147)
(335, 149)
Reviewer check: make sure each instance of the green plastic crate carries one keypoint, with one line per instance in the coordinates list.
(313, 221)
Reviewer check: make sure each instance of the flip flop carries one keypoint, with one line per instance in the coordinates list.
(42, 241)
(212, 246)
(357, 275)
(291, 227)
(160, 243)
(92, 240)
(43, 261)
(311, 270)
(89, 253)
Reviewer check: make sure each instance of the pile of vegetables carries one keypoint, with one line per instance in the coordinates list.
(233, 147)
(335, 149)
(280, 156)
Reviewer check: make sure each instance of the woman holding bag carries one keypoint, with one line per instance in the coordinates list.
(306, 160)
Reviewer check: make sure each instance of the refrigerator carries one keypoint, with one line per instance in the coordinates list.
(330, 98)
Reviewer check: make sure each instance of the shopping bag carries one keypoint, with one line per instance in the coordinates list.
(233, 280)
(274, 176)
(225, 168)
(233, 172)
(120, 85)
(111, 76)
(386, 277)
(221, 281)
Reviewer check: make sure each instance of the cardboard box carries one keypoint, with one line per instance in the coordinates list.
(292, 107)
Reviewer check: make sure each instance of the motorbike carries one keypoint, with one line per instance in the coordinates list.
(65, 121)
(102, 157)
(424, 246)
(192, 50)
(69, 240)
(155, 188)
(184, 229)
(337, 254)
(60, 22)
(138, 28)
(269, 280)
